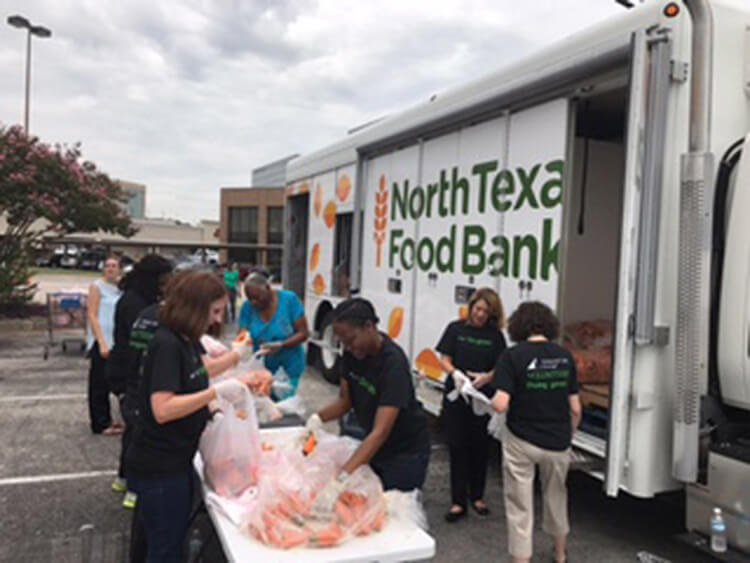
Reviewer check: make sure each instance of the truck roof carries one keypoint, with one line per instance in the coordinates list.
(453, 104)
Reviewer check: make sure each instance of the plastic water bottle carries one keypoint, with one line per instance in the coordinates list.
(718, 532)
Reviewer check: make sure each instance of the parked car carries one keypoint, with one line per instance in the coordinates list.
(70, 258)
(92, 259)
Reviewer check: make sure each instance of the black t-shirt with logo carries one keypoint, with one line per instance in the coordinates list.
(385, 380)
(539, 377)
(172, 363)
(472, 348)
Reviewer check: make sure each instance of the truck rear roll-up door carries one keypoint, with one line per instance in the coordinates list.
(649, 80)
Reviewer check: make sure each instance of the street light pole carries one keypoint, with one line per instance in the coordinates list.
(28, 83)
(40, 31)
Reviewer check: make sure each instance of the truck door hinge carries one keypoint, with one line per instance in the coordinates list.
(678, 71)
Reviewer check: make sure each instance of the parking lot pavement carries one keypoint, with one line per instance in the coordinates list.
(56, 504)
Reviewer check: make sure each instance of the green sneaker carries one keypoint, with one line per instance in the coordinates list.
(119, 485)
(129, 500)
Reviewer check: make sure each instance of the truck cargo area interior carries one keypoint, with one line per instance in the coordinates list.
(591, 242)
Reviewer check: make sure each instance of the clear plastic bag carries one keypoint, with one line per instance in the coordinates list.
(282, 386)
(266, 410)
(230, 447)
(282, 515)
(213, 347)
(293, 406)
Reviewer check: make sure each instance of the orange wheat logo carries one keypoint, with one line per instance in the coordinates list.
(381, 219)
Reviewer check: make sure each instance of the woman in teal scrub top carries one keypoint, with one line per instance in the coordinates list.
(277, 324)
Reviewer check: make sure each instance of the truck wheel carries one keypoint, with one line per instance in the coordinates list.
(327, 360)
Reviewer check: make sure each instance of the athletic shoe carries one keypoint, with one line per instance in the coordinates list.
(129, 500)
(119, 485)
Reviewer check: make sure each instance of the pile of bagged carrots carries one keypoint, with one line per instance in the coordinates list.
(289, 477)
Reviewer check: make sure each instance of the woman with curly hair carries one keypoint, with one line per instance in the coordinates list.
(537, 386)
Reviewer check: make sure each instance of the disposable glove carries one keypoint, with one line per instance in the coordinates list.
(271, 348)
(459, 381)
(479, 402)
(233, 392)
(327, 497)
(481, 378)
(496, 426)
(314, 423)
(244, 349)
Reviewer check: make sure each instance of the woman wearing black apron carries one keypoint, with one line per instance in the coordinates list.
(469, 351)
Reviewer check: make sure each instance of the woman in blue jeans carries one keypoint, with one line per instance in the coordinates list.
(173, 403)
(377, 383)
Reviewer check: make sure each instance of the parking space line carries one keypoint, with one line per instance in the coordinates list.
(61, 397)
(33, 479)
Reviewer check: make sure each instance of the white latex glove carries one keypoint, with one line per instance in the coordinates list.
(328, 496)
(480, 378)
(314, 423)
(496, 426)
(479, 402)
(459, 381)
(243, 349)
(232, 391)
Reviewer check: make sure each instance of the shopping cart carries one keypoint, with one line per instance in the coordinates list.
(66, 314)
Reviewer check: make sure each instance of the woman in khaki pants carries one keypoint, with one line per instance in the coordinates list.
(537, 386)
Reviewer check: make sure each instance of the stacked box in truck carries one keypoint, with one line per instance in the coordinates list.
(582, 177)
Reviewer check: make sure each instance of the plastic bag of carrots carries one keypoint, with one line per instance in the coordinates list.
(231, 448)
(289, 480)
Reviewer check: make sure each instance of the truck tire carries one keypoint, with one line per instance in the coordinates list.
(326, 360)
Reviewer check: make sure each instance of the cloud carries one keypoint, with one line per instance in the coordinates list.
(187, 96)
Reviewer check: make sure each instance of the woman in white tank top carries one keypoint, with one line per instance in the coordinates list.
(103, 296)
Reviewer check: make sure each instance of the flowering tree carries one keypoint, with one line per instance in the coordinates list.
(48, 191)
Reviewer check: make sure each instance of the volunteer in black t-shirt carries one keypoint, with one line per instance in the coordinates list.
(377, 383)
(141, 288)
(173, 399)
(537, 386)
(469, 350)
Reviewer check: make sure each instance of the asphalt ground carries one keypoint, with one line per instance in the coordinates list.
(56, 504)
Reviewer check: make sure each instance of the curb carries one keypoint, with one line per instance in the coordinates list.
(23, 325)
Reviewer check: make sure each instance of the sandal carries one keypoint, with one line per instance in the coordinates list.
(112, 431)
(452, 516)
(482, 510)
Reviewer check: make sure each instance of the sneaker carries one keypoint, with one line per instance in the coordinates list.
(129, 500)
(119, 485)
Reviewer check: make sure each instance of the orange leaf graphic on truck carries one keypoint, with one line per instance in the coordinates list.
(315, 257)
(318, 200)
(428, 364)
(381, 219)
(319, 285)
(344, 188)
(329, 214)
(396, 322)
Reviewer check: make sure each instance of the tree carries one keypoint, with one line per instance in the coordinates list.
(54, 185)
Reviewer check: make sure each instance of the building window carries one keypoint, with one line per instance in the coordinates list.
(274, 264)
(275, 225)
(243, 225)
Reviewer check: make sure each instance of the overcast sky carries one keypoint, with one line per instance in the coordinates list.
(187, 96)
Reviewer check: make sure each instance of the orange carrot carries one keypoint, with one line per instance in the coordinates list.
(346, 516)
(310, 444)
(328, 537)
(379, 522)
(294, 538)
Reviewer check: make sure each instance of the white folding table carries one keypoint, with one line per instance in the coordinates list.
(397, 541)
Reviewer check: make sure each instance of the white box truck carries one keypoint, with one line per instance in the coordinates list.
(608, 176)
